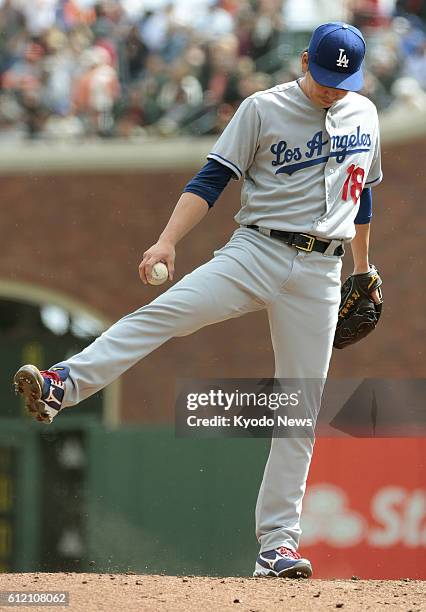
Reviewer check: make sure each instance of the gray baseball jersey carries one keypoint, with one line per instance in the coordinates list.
(303, 167)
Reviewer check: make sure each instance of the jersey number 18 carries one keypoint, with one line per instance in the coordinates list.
(353, 183)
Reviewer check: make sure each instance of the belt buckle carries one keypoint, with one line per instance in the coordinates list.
(310, 246)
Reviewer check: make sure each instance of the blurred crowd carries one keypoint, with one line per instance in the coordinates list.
(74, 69)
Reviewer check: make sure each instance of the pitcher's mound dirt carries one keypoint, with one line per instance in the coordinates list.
(130, 592)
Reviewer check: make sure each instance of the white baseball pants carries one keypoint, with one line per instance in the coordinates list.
(301, 293)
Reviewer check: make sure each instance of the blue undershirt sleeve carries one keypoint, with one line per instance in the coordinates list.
(210, 181)
(365, 211)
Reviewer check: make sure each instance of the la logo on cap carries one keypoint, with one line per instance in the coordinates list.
(335, 55)
(342, 60)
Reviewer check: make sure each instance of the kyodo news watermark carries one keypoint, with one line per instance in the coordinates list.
(247, 407)
(300, 408)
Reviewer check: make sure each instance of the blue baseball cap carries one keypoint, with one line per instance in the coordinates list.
(335, 56)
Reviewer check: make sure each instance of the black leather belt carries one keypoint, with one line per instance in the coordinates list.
(303, 242)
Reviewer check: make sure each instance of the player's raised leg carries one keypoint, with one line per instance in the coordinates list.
(227, 286)
(206, 296)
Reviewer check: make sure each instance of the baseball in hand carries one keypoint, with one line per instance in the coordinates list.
(159, 274)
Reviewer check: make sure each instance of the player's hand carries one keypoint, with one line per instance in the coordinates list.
(161, 251)
(375, 295)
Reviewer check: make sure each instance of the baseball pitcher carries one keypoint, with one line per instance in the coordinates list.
(307, 153)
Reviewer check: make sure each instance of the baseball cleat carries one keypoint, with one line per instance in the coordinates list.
(282, 563)
(42, 390)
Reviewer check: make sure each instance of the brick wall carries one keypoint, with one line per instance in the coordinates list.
(84, 235)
